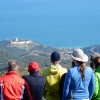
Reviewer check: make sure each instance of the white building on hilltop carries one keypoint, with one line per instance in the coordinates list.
(17, 41)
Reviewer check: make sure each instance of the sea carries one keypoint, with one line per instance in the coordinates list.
(55, 23)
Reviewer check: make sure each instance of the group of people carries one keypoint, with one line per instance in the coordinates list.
(80, 82)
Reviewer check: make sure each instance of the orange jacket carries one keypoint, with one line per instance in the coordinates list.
(14, 87)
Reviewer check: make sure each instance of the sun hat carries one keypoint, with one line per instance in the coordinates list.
(94, 55)
(55, 56)
(78, 55)
(33, 66)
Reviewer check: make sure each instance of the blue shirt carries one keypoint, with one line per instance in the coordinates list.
(75, 87)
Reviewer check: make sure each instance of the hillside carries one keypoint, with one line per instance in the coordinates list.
(94, 48)
(26, 52)
(32, 51)
(32, 48)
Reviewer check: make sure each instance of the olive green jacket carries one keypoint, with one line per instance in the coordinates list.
(53, 75)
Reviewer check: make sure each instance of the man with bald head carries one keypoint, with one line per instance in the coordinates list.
(12, 85)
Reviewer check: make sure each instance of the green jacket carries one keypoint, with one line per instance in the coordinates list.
(96, 95)
(53, 75)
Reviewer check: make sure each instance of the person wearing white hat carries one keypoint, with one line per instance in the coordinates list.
(79, 81)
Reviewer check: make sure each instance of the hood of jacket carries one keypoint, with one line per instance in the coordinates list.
(54, 69)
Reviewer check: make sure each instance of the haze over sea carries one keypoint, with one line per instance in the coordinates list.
(56, 23)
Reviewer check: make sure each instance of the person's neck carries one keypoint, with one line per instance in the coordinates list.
(34, 73)
(55, 64)
(77, 65)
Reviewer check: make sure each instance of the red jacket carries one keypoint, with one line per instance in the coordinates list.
(14, 87)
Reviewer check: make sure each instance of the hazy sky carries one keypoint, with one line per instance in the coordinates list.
(31, 17)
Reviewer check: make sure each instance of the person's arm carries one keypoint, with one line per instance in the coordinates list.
(96, 87)
(27, 94)
(91, 86)
(61, 85)
(45, 90)
(66, 85)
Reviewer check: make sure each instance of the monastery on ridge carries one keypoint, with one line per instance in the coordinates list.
(17, 41)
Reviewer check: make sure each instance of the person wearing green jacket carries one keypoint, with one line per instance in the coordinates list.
(96, 95)
(93, 56)
(53, 75)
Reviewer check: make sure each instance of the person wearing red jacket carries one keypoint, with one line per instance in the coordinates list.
(12, 86)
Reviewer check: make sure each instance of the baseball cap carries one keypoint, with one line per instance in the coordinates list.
(55, 56)
(33, 66)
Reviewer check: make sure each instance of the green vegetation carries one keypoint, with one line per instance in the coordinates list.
(25, 53)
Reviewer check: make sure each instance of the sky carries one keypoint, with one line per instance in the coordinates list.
(41, 19)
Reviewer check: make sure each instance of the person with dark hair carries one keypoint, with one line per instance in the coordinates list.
(61, 83)
(93, 56)
(79, 82)
(35, 81)
(96, 62)
(12, 86)
(53, 75)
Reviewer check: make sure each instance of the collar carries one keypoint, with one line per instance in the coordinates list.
(34, 74)
(12, 72)
(97, 69)
(55, 64)
(78, 67)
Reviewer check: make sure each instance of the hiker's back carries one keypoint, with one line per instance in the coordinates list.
(79, 86)
(53, 75)
(36, 84)
(12, 86)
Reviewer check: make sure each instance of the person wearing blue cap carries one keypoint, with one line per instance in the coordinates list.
(53, 75)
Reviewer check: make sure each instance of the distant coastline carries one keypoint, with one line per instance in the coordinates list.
(54, 44)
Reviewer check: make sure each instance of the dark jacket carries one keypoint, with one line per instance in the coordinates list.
(36, 84)
(61, 85)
